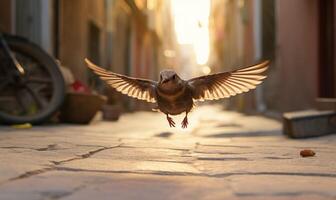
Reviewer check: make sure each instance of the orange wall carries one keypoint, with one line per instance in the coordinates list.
(75, 16)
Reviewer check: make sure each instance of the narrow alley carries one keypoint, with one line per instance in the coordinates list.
(245, 89)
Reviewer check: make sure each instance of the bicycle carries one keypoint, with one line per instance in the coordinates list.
(32, 87)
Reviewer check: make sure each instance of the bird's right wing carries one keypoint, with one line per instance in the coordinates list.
(137, 88)
(224, 85)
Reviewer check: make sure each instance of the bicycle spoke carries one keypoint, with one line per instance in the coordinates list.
(42, 89)
(41, 102)
(39, 80)
(21, 103)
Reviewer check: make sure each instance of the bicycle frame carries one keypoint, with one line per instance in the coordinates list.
(10, 55)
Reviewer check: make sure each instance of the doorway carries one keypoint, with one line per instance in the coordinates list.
(326, 71)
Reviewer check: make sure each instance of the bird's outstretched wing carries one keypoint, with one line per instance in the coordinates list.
(226, 84)
(137, 88)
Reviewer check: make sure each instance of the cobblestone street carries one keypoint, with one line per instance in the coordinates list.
(222, 155)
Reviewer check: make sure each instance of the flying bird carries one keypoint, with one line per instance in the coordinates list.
(174, 95)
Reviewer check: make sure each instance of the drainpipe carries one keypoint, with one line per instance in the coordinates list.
(257, 28)
(13, 17)
(46, 27)
(56, 28)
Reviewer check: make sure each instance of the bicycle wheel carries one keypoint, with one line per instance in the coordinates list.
(35, 96)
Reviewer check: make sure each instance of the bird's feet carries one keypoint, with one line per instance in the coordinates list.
(185, 122)
(170, 121)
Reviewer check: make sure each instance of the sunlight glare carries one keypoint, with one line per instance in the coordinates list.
(191, 18)
(206, 70)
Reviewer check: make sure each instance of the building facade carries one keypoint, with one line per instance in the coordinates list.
(235, 42)
(125, 36)
(297, 36)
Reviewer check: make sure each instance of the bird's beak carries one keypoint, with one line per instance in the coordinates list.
(164, 80)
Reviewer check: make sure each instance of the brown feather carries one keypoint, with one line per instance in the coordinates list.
(142, 89)
(224, 85)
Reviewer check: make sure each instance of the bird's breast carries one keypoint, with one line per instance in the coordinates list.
(176, 103)
(171, 95)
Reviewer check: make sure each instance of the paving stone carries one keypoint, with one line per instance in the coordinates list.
(290, 186)
(222, 155)
(82, 185)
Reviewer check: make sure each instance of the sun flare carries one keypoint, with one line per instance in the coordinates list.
(191, 18)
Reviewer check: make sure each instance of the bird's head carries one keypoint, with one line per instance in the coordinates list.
(169, 77)
(169, 81)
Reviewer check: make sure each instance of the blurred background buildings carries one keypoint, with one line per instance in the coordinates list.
(194, 37)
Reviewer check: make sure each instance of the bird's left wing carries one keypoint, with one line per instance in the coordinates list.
(137, 88)
(224, 85)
